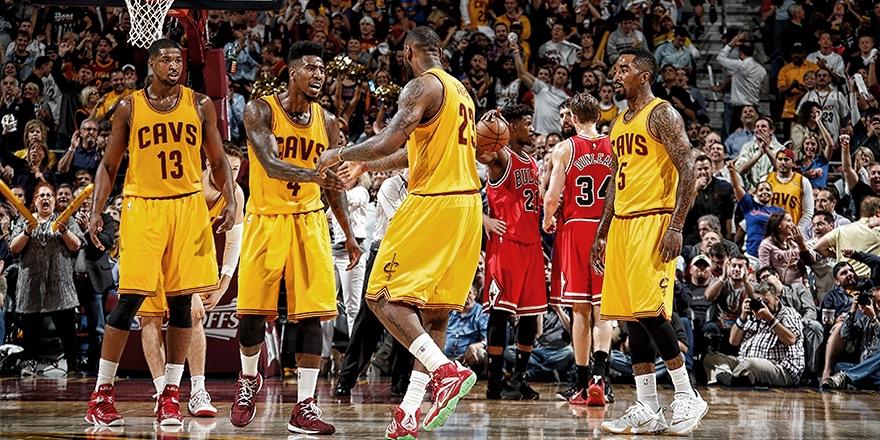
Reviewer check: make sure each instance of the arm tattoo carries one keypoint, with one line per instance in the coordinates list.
(670, 129)
(608, 208)
(257, 122)
(339, 205)
(409, 114)
(395, 161)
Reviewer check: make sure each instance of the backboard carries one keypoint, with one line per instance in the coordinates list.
(237, 5)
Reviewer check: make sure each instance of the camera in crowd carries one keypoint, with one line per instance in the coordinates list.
(864, 299)
(756, 304)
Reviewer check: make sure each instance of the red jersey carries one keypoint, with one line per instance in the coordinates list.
(587, 177)
(514, 199)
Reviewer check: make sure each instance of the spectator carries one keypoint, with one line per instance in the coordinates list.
(826, 57)
(45, 277)
(756, 210)
(51, 94)
(19, 54)
(862, 236)
(861, 329)
(781, 249)
(548, 97)
(107, 104)
(242, 54)
(725, 294)
(734, 143)
(813, 163)
(714, 196)
(791, 191)
(790, 81)
(833, 103)
(696, 95)
(835, 306)
(820, 265)
(770, 339)
(103, 63)
(826, 200)
(675, 52)
(747, 75)
(757, 157)
(84, 153)
(559, 51)
(626, 36)
(466, 333)
(809, 116)
(719, 168)
(669, 90)
(552, 354)
(14, 113)
(867, 132)
(709, 228)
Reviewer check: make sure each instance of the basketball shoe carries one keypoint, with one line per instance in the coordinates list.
(687, 411)
(579, 398)
(102, 411)
(200, 405)
(567, 393)
(403, 426)
(305, 418)
(449, 384)
(244, 407)
(638, 419)
(596, 392)
(168, 404)
(519, 389)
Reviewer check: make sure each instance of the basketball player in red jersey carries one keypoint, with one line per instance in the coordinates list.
(581, 172)
(514, 259)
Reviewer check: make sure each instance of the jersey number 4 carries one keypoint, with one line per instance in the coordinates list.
(589, 192)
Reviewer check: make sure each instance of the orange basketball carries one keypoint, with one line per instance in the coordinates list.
(492, 134)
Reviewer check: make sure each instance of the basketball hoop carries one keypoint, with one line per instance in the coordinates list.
(147, 18)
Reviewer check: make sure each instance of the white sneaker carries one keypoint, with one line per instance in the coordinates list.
(687, 411)
(200, 404)
(638, 419)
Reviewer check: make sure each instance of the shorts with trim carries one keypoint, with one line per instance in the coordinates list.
(515, 281)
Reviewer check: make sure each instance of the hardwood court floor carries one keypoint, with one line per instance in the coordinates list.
(53, 408)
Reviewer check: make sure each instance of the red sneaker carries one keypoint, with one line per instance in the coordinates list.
(102, 411)
(450, 383)
(244, 407)
(596, 392)
(305, 418)
(168, 403)
(403, 426)
(579, 398)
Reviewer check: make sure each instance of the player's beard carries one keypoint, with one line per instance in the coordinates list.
(568, 131)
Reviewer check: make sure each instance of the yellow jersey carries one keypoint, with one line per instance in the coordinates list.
(608, 114)
(646, 178)
(441, 152)
(788, 195)
(164, 148)
(298, 145)
(478, 11)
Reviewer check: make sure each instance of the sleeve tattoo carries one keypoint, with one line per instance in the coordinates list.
(608, 208)
(668, 125)
(257, 121)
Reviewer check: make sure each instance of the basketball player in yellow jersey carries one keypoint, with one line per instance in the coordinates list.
(430, 252)
(644, 212)
(154, 309)
(166, 242)
(286, 235)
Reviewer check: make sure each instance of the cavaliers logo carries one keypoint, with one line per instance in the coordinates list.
(664, 283)
(391, 267)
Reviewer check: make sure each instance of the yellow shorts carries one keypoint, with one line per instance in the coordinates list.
(638, 284)
(166, 245)
(295, 247)
(430, 253)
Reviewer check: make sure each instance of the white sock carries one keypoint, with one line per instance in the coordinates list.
(249, 364)
(646, 391)
(106, 373)
(159, 383)
(681, 381)
(306, 380)
(197, 383)
(173, 374)
(415, 392)
(427, 352)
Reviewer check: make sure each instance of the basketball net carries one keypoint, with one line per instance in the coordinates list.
(147, 17)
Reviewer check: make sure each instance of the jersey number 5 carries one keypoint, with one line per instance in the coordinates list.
(175, 159)
(589, 194)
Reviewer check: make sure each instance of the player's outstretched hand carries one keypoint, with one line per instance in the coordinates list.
(597, 255)
(96, 225)
(494, 226)
(670, 245)
(328, 159)
(329, 180)
(226, 220)
(354, 252)
(351, 171)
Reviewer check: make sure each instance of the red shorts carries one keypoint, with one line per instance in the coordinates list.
(577, 281)
(515, 279)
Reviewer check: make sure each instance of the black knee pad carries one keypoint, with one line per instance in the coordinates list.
(661, 331)
(123, 313)
(180, 311)
(251, 330)
(496, 333)
(309, 338)
(526, 330)
(641, 347)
